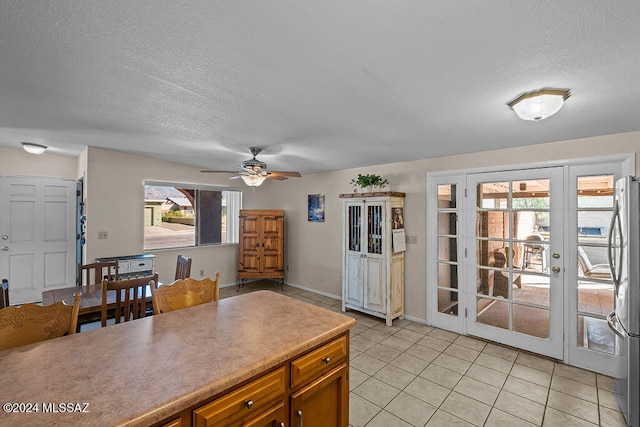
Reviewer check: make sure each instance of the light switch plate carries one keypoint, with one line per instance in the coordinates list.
(103, 235)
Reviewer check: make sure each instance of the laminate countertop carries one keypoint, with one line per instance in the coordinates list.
(141, 372)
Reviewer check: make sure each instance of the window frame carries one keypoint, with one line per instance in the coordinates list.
(233, 206)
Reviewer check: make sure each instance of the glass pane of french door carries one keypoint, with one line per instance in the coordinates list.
(445, 245)
(595, 285)
(518, 275)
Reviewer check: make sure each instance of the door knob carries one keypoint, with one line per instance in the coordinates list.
(4, 248)
(555, 269)
(5, 237)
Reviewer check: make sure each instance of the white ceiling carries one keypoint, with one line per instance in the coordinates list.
(320, 85)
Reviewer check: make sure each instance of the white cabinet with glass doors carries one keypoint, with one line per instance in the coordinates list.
(372, 273)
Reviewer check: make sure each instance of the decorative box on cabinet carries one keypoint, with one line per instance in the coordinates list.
(372, 273)
(132, 266)
(261, 245)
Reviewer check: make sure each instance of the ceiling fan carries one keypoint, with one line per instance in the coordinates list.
(253, 172)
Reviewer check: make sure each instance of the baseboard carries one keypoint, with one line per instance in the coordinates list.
(315, 291)
(416, 320)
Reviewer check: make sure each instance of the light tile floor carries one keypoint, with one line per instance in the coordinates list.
(411, 374)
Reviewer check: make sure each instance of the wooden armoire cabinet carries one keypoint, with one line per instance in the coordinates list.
(372, 269)
(261, 245)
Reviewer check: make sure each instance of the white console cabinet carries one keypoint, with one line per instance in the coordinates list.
(132, 266)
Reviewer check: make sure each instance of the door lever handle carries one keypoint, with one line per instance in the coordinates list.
(4, 248)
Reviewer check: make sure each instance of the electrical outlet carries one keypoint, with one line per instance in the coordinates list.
(103, 235)
(287, 267)
(201, 273)
(412, 240)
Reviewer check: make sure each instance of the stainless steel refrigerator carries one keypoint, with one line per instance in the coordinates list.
(624, 321)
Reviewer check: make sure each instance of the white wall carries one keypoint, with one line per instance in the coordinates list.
(18, 162)
(114, 189)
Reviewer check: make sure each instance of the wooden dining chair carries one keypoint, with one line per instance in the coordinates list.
(4, 294)
(30, 323)
(183, 267)
(130, 298)
(185, 293)
(100, 270)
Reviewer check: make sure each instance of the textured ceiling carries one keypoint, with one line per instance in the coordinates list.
(320, 85)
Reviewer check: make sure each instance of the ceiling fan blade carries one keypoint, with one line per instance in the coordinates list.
(208, 171)
(289, 174)
(278, 177)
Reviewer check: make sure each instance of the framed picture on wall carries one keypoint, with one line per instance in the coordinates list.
(316, 207)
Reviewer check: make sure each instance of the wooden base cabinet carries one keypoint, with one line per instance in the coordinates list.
(310, 390)
(372, 269)
(324, 402)
(261, 244)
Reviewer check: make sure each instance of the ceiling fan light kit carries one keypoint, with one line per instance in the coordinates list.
(539, 104)
(254, 171)
(253, 180)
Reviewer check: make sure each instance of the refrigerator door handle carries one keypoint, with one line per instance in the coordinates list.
(615, 220)
(613, 327)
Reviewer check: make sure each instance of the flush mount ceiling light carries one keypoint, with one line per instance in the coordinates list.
(253, 180)
(32, 148)
(539, 104)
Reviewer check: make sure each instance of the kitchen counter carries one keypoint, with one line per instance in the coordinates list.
(144, 371)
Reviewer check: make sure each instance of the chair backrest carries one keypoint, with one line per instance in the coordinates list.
(100, 270)
(535, 238)
(4, 294)
(130, 298)
(583, 261)
(185, 293)
(183, 267)
(30, 323)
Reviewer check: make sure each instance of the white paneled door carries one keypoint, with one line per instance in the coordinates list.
(37, 232)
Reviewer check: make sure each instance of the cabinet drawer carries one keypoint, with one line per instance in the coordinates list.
(140, 265)
(318, 361)
(242, 403)
(123, 266)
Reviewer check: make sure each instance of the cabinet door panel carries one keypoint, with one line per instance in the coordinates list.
(273, 417)
(375, 291)
(271, 262)
(324, 402)
(249, 262)
(354, 281)
(249, 224)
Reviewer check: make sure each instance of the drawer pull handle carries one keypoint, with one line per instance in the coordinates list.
(299, 414)
(326, 360)
(249, 404)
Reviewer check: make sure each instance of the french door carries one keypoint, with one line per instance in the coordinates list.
(514, 290)
(520, 257)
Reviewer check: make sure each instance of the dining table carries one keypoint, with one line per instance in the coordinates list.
(90, 299)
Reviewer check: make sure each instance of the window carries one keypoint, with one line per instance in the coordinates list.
(182, 215)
